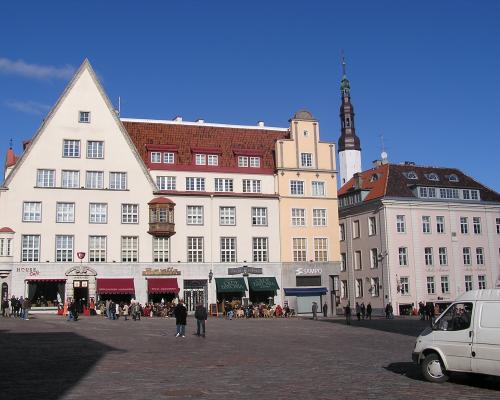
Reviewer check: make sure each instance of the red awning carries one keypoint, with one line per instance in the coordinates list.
(116, 286)
(163, 285)
(45, 280)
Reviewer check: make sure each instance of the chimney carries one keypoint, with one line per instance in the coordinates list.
(200, 121)
(377, 163)
(260, 123)
(358, 180)
(178, 118)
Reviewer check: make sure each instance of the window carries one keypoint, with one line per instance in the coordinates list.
(445, 285)
(166, 182)
(65, 212)
(45, 178)
(457, 318)
(343, 261)
(242, 161)
(468, 194)
(405, 285)
(98, 213)
(5, 247)
(297, 188)
(32, 211)
(373, 258)
(400, 224)
(403, 256)
(223, 185)
(443, 256)
(440, 224)
(358, 261)
(161, 249)
(355, 229)
(432, 176)
(254, 162)
(306, 159)
(411, 175)
(84, 117)
(168, 158)
(130, 248)
(498, 225)
(464, 225)
(156, 157)
(447, 193)
(428, 256)
(318, 188)
(298, 216)
(453, 178)
(194, 215)
(227, 215)
(118, 180)
(426, 224)
(476, 222)
(97, 248)
(213, 159)
(342, 232)
(466, 254)
(195, 184)
(251, 186)
(480, 256)
(359, 287)
(260, 249)
(94, 180)
(259, 216)
(319, 216)
(64, 248)
(30, 248)
(320, 249)
(195, 249)
(481, 281)
(344, 290)
(70, 179)
(227, 249)
(468, 283)
(431, 288)
(372, 226)
(200, 159)
(71, 148)
(299, 249)
(130, 213)
(95, 149)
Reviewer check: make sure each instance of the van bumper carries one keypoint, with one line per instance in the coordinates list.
(415, 357)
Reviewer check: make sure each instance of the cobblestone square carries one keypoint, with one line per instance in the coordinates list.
(93, 358)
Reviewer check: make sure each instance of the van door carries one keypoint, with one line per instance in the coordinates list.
(452, 334)
(486, 343)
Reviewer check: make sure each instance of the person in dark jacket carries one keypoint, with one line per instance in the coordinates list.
(325, 310)
(180, 314)
(369, 311)
(201, 316)
(347, 313)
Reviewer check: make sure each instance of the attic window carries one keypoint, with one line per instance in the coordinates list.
(432, 177)
(411, 175)
(374, 178)
(84, 117)
(453, 178)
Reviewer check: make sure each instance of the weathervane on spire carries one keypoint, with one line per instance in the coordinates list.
(343, 62)
(10, 143)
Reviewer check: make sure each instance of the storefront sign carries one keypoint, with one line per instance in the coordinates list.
(308, 271)
(156, 272)
(31, 271)
(244, 270)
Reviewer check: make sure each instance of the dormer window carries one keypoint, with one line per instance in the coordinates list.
(84, 117)
(374, 178)
(412, 175)
(254, 162)
(453, 178)
(432, 177)
(213, 159)
(207, 159)
(168, 157)
(156, 157)
(201, 159)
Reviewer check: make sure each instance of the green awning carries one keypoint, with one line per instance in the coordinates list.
(263, 284)
(230, 285)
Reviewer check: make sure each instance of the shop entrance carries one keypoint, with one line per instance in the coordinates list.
(46, 293)
(195, 291)
(81, 292)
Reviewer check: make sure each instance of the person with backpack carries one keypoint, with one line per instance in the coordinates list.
(201, 316)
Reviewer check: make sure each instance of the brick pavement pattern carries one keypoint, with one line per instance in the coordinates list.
(93, 358)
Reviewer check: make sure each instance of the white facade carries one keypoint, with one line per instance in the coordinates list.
(350, 164)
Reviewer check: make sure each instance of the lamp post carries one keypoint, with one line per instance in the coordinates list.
(380, 261)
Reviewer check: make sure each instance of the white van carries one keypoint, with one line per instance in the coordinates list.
(464, 338)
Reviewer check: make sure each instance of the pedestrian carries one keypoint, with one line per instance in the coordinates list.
(5, 307)
(347, 313)
(387, 311)
(201, 316)
(315, 310)
(71, 307)
(108, 311)
(325, 310)
(358, 311)
(391, 311)
(369, 311)
(180, 314)
(363, 310)
(125, 311)
(112, 309)
(421, 310)
(26, 305)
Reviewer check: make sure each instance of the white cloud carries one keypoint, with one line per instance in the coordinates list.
(28, 107)
(36, 71)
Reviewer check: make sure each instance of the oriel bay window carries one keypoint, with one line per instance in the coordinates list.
(161, 217)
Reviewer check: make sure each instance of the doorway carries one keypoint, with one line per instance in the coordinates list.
(81, 294)
(195, 291)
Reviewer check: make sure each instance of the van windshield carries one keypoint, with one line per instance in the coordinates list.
(456, 318)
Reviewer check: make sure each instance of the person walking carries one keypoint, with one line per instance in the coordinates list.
(201, 316)
(125, 311)
(325, 310)
(358, 311)
(71, 307)
(347, 313)
(363, 310)
(180, 314)
(315, 310)
(369, 311)
(26, 305)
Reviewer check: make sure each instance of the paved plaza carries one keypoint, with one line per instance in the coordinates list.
(49, 358)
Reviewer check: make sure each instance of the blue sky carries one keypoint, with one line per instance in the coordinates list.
(425, 74)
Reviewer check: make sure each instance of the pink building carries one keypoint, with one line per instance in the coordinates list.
(413, 233)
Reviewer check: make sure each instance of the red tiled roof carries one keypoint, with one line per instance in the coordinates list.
(376, 186)
(6, 229)
(10, 159)
(187, 138)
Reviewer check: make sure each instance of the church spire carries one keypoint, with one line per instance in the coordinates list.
(348, 139)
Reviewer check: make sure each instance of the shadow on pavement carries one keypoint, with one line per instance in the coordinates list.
(402, 326)
(45, 365)
(412, 370)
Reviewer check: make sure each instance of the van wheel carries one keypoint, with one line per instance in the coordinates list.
(433, 369)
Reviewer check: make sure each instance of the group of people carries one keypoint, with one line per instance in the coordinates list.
(16, 307)
(362, 312)
(180, 313)
(428, 311)
(256, 311)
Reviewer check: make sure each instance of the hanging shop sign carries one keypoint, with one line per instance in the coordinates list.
(244, 270)
(163, 271)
